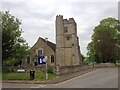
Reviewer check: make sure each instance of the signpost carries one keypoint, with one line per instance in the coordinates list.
(46, 68)
(43, 60)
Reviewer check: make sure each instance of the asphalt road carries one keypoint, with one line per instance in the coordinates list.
(99, 78)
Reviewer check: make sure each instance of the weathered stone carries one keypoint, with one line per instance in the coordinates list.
(67, 42)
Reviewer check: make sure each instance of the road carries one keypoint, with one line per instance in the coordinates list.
(99, 78)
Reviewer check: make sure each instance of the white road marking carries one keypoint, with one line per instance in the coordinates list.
(38, 86)
(42, 85)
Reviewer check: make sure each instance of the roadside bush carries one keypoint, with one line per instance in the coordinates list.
(50, 70)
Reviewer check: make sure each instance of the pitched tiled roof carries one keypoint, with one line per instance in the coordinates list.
(50, 44)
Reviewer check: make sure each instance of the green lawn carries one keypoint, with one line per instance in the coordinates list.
(26, 76)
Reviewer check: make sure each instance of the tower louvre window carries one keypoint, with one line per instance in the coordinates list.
(65, 29)
(68, 38)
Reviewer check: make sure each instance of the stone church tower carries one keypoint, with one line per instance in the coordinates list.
(67, 42)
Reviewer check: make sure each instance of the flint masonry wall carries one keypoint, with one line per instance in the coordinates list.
(67, 42)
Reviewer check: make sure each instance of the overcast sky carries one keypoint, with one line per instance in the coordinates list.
(38, 16)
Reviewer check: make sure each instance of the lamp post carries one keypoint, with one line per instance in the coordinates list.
(46, 62)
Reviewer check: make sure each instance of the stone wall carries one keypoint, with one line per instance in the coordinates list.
(72, 69)
(104, 65)
(60, 70)
(9, 68)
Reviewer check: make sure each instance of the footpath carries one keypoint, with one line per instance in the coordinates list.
(52, 81)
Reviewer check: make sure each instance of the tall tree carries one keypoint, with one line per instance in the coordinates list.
(14, 47)
(104, 45)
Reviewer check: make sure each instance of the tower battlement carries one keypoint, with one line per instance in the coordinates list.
(59, 16)
(70, 20)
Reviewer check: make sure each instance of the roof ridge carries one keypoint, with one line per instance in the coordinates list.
(49, 43)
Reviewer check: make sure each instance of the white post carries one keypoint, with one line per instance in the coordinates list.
(46, 71)
(46, 61)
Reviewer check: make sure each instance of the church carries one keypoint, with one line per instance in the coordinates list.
(66, 51)
(40, 48)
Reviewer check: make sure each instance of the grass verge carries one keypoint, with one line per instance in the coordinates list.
(26, 76)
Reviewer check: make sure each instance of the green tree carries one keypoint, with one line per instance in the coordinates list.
(104, 45)
(14, 47)
(83, 58)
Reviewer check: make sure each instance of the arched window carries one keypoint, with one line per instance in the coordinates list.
(52, 58)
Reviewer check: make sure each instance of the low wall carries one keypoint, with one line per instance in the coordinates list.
(9, 68)
(72, 69)
(104, 65)
(60, 70)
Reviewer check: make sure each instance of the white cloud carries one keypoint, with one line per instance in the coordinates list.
(38, 16)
